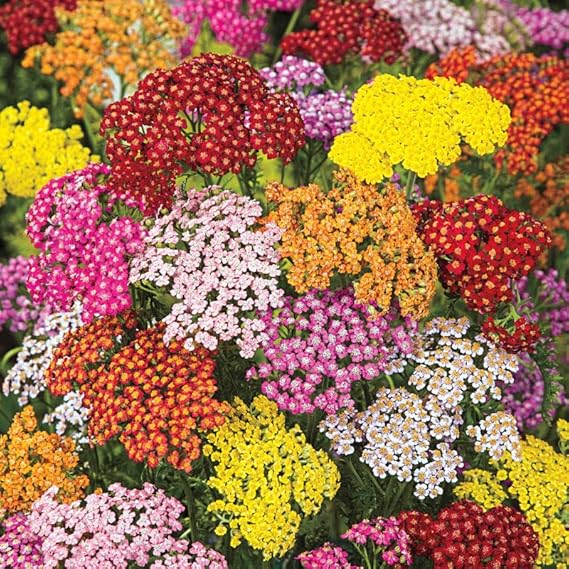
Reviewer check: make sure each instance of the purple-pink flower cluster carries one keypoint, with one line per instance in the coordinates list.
(17, 312)
(318, 345)
(243, 30)
(82, 255)
(20, 547)
(217, 265)
(328, 556)
(113, 528)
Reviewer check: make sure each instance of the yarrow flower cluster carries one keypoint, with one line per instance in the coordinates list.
(348, 28)
(209, 254)
(32, 461)
(481, 247)
(155, 398)
(26, 378)
(32, 153)
(212, 113)
(243, 29)
(523, 337)
(83, 255)
(116, 528)
(267, 476)
(20, 547)
(103, 41)
(17, 312)
(463, 533)
(310, 341)
(328, 556)
(70, 418)
(355, 229)
(496, 434)
(325, 114)
(418, 123)
(28, 22)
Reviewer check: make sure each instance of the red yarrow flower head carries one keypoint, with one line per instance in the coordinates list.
(211, 114)
(523, 338)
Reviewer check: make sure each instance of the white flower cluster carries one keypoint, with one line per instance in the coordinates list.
(497, 434)
(70, 418)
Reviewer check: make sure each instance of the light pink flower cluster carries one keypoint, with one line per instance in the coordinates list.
(82, 255)
(320, 344)
(218, 266)
(243, 30)
(111, 529)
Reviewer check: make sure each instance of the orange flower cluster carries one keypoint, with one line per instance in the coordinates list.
(548, 195)
(355, 229)
(154, 397)
(102, 38)
(33, 461)
(536, 88)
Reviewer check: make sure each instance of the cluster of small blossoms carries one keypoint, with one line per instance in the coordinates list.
(82, 255)
(20, 547)
(267, 476)
(155, 398)
(308, 368)
(26, 378)
(209, 254)
(327, 556)
(28, 22)
(535, 88)
(481, 247)
(464, 535)
(32, 153)
(539, 483)
(17, 312)
(105, 47)
(482, 487)
(70, 418)
(231, 23)
(325, 114)
(212, 113)
(32, 461)
(355, 229)
(348, 28)
(523, 338)
(114, 529)
(419, 123)
(402, 436)
(496, 434)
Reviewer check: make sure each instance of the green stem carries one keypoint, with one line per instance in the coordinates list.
(397, 498)
(191, 503)
(410, 184)
(289, 28)
(7, 357)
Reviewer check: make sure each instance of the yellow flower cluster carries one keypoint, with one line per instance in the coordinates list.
(563, 430)
(266, 474)
(540, 484)
(31, 153)
(105, 40)
(419, 123)
(33, 461)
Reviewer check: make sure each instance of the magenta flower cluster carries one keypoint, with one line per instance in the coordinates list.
(325, 114)
(320, 344)
(243, 30)
(216, 264)
(17, 312)
(114, 528)
(20, 547)
(328, 556)
(82, 255)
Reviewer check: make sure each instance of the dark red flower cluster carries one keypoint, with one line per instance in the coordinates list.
(464, 536)
(346, 28)
(481, 247)
(211, 114)
(536, 88)
(27, 22)
(155, 397)
(523, 339)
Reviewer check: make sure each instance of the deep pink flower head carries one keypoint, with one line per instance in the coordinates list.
(20, 547)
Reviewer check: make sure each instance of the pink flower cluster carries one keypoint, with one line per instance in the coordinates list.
(243, 30)
(209, 255)
(20, 547)
(111, 529)
(318, 345)
(17, 312)
(327, 556)
(82, 255)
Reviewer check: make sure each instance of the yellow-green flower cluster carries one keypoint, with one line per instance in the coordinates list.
(419, 123)
(540, 484)
(266, 474)
(32, 154)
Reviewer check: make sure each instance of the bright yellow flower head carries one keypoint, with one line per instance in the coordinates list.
(33, 461)
(266, 474)
(563, 430)
(419, 123)
(31, 154)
